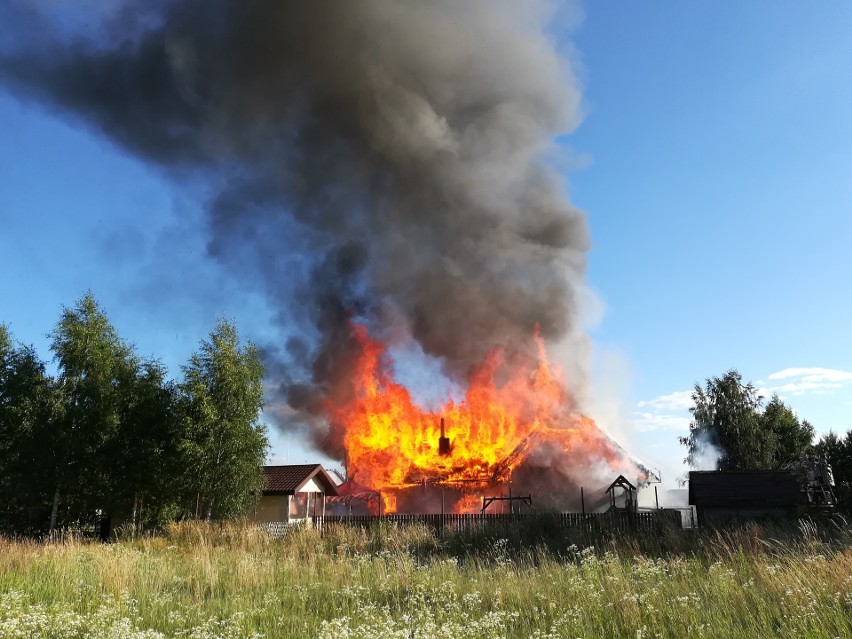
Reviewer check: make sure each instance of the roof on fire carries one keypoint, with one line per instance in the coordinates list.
(288, 480)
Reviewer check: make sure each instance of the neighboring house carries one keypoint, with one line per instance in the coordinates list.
(720, 496)
(294, 493)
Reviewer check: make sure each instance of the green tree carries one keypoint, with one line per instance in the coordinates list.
(95, 365)
(790, 437)
(28, 408)
(726, 418)
(146, 453)
(111, 438)
(225, 443)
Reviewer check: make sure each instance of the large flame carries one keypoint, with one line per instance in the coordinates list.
(391, 443)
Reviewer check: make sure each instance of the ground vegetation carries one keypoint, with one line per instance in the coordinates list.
(235, 581)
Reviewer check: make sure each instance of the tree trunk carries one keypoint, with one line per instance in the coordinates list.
(54, 510)
(105, 528)
(141, 506)
(133, 516)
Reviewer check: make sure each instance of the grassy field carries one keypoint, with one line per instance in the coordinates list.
(201, 582)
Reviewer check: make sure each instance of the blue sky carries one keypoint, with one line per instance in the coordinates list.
(719, 192)
(713, 162)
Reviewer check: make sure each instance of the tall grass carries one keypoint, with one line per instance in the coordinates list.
(202, 581)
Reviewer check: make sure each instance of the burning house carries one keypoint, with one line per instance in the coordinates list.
(520, 429)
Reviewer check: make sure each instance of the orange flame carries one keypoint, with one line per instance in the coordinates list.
(391, 443)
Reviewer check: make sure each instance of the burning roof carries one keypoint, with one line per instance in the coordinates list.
(526, 422)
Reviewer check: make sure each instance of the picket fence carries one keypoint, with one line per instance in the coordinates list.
(617, 521)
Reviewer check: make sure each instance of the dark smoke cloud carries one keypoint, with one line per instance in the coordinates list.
(377, 159)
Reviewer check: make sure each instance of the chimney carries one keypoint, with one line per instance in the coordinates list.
(443, 441)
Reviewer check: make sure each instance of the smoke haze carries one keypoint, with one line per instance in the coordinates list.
(384, 160)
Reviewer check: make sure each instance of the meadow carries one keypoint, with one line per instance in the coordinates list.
(198, 581)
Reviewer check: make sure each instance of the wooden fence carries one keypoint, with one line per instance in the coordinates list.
(592, 522)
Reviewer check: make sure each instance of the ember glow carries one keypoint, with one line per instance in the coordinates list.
(508, 412)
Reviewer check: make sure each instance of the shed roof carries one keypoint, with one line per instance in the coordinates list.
(754, 488)
(288, 480)
(621, 481)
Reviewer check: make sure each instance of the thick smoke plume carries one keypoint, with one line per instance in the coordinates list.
(385, 160)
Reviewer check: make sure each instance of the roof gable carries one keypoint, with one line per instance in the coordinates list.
(621, 481)
(288, 480)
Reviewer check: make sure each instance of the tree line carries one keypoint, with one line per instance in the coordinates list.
(732, 429)
(110, 441)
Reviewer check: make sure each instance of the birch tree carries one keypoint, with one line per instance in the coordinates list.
(93, 363)
(225, 443)
(29, 408)
(726, 416)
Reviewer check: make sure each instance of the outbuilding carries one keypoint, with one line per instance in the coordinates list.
(294, 493)
(720, 496)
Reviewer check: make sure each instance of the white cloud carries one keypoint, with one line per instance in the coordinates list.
(646, 422)
(799, 381)
(815, 375)
(800, 388)
(666, 412)
(678, 400)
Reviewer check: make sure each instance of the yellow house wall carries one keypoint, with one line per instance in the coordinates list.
(285, 508)
(273, 508)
